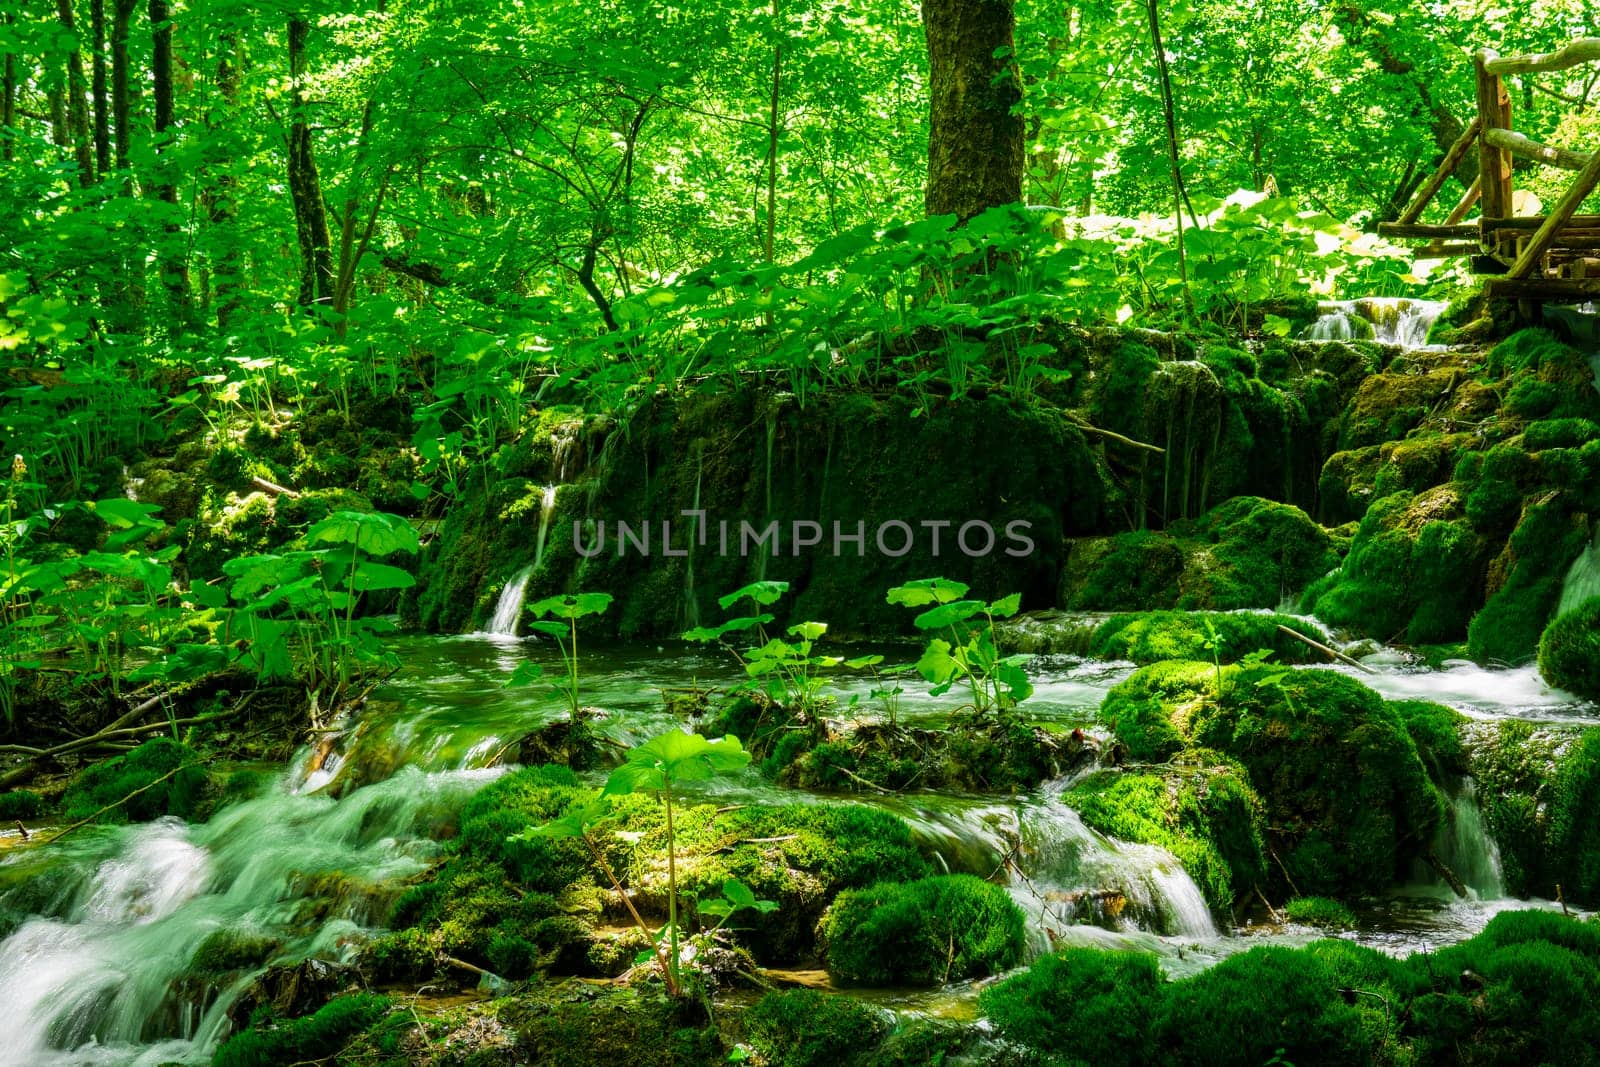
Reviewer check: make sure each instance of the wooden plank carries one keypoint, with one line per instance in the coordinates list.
(1542, 288)
(1559, 217)
(1494, 163)
(1450, 251)
(1418, 229)
(1521, 145)
(1533, 222)
(1583, 50)
(1464, 205)
(1452, 159)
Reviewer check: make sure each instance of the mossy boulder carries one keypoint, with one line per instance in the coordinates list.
(1569, 651)
(808, 1028)
(1198, 635)
(160, 777)
(620, 1026)
(1415, 571)
(1525, 581)
(1149, 711)
(1092, 1006)
(928, 932)
(1319, 911)
(1245, 553)
(1207, 816)
(270, 1042)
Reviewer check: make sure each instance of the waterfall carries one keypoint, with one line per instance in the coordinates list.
(100, 973)
(1467, 847)
(547, 507)
(1583, 578)
(508, 609)
(1387, 320)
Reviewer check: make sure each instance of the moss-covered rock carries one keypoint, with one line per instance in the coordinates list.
(1149, 711)
(228, 952)
(1199, 635)
(1414, 572)
(160, 777)
(1524, 583)
(1319, 911)
(929, 932)
(1092, 1006)
(270, 1042)
(620, 1027)
(1206, 816)
(1569, 651)
(807, 1028)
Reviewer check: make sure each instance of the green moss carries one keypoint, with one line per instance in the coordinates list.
(229, 951)
(1348, 798)
(618, 1027)
(1574, 833)
(1320, 911)
(1541, 549)
(1129, 572)
(1495, 487)
(928, 932)
(1532, 399)
(920, 1042)
(1436, 731)
(315, 1037)
(149, 768)
(1095, 1007)
(20, 804)
(1148, 711)
(806, 1028)
(1524, 350)
(1173, 635)
(1209, 818)
(1569, 651)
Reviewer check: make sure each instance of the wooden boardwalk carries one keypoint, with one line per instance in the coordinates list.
(1550, 258)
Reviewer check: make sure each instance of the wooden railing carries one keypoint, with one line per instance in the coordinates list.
(1553, 256)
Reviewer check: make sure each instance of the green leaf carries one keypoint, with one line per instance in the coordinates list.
(764, 593)
(675, 756)
(526, 673)
(925, 591)
(369, 576)
(946, 614)
(375, 533)
(1007, 606)
(738, 894)
(810, 631)
(572, 605)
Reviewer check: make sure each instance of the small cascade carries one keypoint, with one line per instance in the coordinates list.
(547, 507)
(1583, 578)
(1386, 320)
(1467, 848)
(101, 973)
(508, 609)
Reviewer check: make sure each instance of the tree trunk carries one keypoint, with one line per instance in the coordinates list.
(8, 102)
(77, 102)
(305, 185)
(975, 136)
(222, 207)
(102, 121)
(174, 271)
(122, 15)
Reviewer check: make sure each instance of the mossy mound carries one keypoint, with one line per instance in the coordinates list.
(1208, 817)
(1245, 553)
(928, 932)
(619, 1027)
(1348, 798)
(160, 777)
(1569, 651)
(1525, 583)
(270, 1042)
(1198, 635)
(1415, 571)
(1514, 764)
(807, 1028)
(1094, 1007)
(1319, 911)
(228, 952)
(20, 804)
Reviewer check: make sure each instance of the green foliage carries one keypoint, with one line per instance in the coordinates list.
(270, 1043)
(1569, 651)
(970, 658)
(1090, 1005)
(20, 804)
(806, 1028)
(929, 932)
(1574, 837)
(147, 771)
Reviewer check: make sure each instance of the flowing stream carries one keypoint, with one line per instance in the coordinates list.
(1387, 320)
(100, 930)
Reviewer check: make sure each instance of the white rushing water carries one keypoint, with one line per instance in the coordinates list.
(97, 974)
(508, 609)
(1469, 849)
(1387, 320)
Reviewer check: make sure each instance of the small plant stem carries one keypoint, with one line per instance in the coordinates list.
(672, 876)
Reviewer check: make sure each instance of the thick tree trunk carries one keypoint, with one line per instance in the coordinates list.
(77, 101)
(102, 121)
(305, 185)
(174, 271)
(975, 137)
(222, 207)
(8, 103)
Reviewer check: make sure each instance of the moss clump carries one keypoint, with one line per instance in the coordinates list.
(1414, 571)
(1574, 833)
(1188, 635)
(1208, 817)
(1569, 651)
(928, 932)
(1436, 731)
(20, 804)
(1149, 711)
(150, 768)
(619, 1027)
(1514, 764)
(1095, 1007)
(1244, 553)
(230, 951)
(1526, 582)
(1559, 433)
(1320, 911)
(269, 1043)
(806, 1028)
(1348, 798)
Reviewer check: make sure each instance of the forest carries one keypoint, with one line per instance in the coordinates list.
(808, 534)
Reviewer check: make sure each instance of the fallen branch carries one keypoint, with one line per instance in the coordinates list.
(273, 487)
(118, 803)
(1320, 647)
(854, 777)
(1117, 437)
(1451, 878)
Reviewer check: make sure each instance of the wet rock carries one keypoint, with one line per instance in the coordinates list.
(294, 989)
